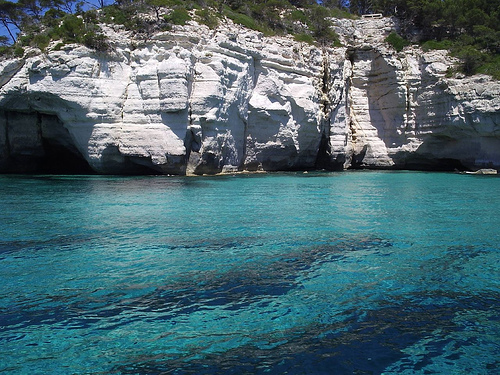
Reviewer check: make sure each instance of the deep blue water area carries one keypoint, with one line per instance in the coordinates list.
(294, 273)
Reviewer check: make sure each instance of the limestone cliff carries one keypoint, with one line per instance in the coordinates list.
(195, 100)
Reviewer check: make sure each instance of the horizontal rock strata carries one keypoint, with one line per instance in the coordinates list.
(200, 101)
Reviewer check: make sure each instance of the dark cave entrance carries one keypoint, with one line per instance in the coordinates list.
(38, 143)
(58, 159)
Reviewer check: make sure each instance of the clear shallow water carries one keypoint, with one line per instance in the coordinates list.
(341, 273)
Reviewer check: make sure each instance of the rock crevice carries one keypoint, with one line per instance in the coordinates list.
(202, 102)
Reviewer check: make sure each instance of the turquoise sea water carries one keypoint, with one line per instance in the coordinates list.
(319, 273)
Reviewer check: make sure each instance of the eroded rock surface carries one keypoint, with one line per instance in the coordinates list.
(200, 101)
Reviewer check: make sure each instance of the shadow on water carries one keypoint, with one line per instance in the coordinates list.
(25, 248)
(364, 340)
(365, 343)
(233, 289)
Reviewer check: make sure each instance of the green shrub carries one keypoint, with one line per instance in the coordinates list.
(465, 40)
(235, 4)
(492, 67)
(96, 41)
(303, 37)
(25, 40)
(52, 17)
(340, 13)
(18, 51)
(242, 19)
(58, 46)
(174, 3)
(475, 53)
(207, 17)
(91, 17)
(116, 15)
(328, 37)
(396, 41)
(298, 15)
(5, 50)
(179, 16)
(487, 38)
(471, 59)
(41, 41)
(320, 26)
(72, 29)
(434, 44)
(268, 14)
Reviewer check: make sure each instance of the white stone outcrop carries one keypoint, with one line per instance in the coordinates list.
(199, 101)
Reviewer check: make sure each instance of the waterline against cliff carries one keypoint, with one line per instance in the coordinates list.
(370, 272)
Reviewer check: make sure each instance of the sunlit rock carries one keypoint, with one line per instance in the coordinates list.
(202, 101)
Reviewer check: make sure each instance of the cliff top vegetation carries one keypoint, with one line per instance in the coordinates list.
(470, 29)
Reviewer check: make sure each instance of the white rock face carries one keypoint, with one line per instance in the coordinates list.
(201, 101)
